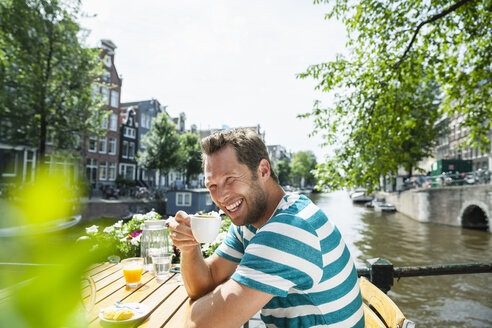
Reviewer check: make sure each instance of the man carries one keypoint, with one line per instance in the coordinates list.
(282, 255)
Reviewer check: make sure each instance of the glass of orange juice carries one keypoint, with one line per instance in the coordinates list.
(132, 270)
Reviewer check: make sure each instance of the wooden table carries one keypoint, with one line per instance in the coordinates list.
(167, 300)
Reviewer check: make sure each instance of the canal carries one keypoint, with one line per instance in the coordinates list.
(432, 301)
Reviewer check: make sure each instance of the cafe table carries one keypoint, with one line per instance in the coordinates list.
(167, 300)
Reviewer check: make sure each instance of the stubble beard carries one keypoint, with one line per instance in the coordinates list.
(257, 204)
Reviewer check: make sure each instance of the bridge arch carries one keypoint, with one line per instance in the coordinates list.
(474, 216)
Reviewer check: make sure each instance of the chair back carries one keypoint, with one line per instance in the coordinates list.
(379, 310)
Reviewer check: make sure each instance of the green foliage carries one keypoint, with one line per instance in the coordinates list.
(121, 239)
(302, 165)
(47, 293)
(192, 155)
(406, 57)
(282, 168)
(162, 146)
(46, 75)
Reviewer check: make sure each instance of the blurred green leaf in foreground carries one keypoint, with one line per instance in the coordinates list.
(41, 272)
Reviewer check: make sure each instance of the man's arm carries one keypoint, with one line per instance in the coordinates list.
(231, 304)
(200, 276)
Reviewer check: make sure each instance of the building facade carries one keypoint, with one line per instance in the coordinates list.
(451, 144)
(278, 153)
(128, 144)
(146, 111)
(100, 154)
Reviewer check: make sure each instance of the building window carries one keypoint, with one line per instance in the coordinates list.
(104, 123)
(208, 200)
(129, 132)
(112, 146)
(113, 122)
(11, 159)
(127, 171)
(102, 145)
(131, 150)
(112, 171)
(124, 151)
(106, 76)
(115, 98)
(92, 144)
(91, 170)
(105, 96)
(144, 175)
(95, 91)
(183, 198)
(103, 170)
(107, 61)
(146, 121)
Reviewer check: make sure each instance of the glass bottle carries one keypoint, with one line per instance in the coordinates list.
(154, 240)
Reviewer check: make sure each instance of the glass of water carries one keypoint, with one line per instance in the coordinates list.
(162, 265)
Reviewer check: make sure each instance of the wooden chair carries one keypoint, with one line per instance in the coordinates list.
(379, 310)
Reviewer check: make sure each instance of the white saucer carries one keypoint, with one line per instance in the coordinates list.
(138, 314)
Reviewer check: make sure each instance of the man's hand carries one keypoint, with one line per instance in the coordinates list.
(181, 234)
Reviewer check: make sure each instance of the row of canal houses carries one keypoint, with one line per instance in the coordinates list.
(111, 157)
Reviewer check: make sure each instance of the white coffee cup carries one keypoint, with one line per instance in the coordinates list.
(205, 228)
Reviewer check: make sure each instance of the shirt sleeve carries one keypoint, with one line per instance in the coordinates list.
(285, 253)
(232, 247)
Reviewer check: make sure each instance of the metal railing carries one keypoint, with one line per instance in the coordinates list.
(382, 273)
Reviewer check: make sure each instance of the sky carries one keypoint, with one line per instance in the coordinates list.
(222, 62)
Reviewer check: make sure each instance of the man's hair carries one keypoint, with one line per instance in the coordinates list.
(250, 149)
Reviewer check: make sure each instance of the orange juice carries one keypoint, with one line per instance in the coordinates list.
(132, 270)
(132, 275)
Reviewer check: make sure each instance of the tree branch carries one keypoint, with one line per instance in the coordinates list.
(427, 21)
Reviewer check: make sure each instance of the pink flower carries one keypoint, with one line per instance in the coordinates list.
(136, 233)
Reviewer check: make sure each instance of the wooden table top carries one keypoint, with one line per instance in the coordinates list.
(167, 300)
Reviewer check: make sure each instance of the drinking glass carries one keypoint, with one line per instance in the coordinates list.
(162, 264)
(132, 270)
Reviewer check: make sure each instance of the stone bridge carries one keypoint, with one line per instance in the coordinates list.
(464, 206)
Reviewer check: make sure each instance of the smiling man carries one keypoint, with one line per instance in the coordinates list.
(282, 255)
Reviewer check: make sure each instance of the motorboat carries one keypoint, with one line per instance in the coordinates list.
(360, 195)
(383, 206)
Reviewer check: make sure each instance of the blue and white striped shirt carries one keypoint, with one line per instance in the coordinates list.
(298, 256)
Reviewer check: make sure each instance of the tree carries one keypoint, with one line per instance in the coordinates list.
(192, 155)
(387, 92)
(282, 168)
(162, 144)
(46, 75)
(302, 165)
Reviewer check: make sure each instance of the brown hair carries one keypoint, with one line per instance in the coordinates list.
(250, 149)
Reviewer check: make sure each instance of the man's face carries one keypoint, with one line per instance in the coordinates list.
(233, 187)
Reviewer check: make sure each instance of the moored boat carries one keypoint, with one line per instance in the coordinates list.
(360, 196)
(383, 206)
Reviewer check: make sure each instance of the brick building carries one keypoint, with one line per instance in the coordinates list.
(100, 153)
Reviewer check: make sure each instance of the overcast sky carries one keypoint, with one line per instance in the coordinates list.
(222, 62)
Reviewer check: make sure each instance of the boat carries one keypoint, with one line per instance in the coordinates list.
(360, 195)
(40, 228)
(383, 206)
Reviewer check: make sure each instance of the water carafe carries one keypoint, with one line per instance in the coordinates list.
(154, 240)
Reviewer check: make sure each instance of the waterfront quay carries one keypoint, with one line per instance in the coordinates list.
(461, 206)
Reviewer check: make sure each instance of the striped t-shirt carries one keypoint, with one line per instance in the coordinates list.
(300, 257)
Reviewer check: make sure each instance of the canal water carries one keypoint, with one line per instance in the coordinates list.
(432, 301)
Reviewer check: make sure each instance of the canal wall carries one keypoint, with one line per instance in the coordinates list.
(120, 208)
(469, 206)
